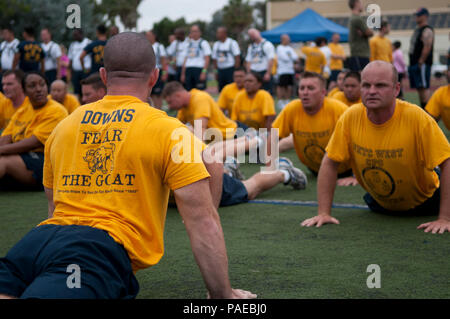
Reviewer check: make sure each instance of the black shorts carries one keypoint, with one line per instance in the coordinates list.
(71, 261)
(419, 77)
(34, 161)
(286, 80)
(233, 191)
(428, 208)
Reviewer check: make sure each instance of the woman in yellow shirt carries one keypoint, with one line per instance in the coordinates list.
(22, 142)
(254, 107)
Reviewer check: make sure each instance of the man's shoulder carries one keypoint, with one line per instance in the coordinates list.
(334, 104)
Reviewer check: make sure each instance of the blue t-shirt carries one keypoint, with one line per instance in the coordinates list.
(31, 54)
(95, 49)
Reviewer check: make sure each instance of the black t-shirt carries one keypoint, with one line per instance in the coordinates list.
(95, 49)
(416, 47)
(31, 54)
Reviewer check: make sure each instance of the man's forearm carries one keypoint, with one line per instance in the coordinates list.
(444, 210)
(326, 185)
(215, 169)
(22, 146)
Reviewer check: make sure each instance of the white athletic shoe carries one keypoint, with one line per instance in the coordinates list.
(231, 165)
(298, 179)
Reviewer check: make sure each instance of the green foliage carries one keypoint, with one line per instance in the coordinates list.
(126, 10)
(49, 14)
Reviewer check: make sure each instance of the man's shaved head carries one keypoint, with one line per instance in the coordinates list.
(128, 55)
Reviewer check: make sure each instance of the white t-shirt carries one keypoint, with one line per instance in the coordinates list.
(327, 52)
(286, 56)
(225, 52)
(8, 50)
(259, 54)
(196, 51)
(52, 52)
(177, 49)
(160, 52)
(75, 50)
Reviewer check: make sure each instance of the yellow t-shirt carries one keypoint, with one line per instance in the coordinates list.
(315, 59)
(336, 64)
(110, 165)
(439, 104)
(201, 105)
(7, 110)
(380, 49)
(227, 96)
(340, 96)
(253, 112)
(27, 122)
(311, 133)
(71, 102)
(333, 91)
(393, 161)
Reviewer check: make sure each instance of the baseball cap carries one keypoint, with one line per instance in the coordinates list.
(422, 11)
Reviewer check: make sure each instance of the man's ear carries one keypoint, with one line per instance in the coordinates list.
(102, 72)
(153, 78)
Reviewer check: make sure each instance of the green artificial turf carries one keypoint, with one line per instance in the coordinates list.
(271, 255)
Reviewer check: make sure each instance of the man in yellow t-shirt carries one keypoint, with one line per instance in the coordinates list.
(22, 142)
(14, 97)
(108, 170)
(438, 105)
(58, 91)
(197, 105)
(253, 106)
(337, 57)
(311, 121)
(339, 83)
(315, 59)
(229, 92)
(351, 93)
(380, 45)
(387, 142)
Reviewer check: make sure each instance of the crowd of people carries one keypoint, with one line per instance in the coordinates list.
(108, 167)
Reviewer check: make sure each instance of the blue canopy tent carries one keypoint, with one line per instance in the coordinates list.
(306, 26)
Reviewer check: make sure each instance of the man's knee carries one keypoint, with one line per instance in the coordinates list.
(2, 296)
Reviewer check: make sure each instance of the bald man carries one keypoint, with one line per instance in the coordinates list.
(260, 57)
(108, 194)
(58, 91)
(387, 142)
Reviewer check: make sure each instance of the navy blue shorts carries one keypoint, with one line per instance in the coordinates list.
(34, 161)
(428, 208)
(419, 77)
(233, 192)
(62, 262)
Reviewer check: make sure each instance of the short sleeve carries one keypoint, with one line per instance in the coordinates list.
(183, 160)
(202, 108)
(48, 168)
(433, 106)
(269, 49)
(282, 123)
(432, 154)
(235, 48)
(338, 146)
(206, 48)
(268, 105)
(48, 123)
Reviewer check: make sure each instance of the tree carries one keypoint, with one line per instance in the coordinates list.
(165, 27)
(50, 14)
(237, 16)
(126, 10)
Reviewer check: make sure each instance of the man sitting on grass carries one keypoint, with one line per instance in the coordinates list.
(388, 143)
(107, 175)
(311, 121)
